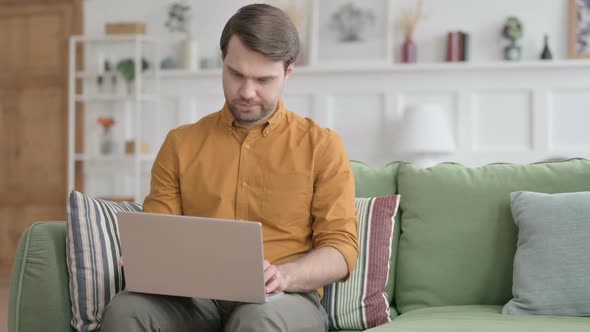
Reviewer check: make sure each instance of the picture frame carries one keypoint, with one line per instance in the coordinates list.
(355, 32)
(579, 29)
(299, 11)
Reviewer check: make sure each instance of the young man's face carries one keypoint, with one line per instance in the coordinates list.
(252, 83)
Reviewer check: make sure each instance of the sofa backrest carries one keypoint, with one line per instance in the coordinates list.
(39, 295)
(458, 237)
(376, 182)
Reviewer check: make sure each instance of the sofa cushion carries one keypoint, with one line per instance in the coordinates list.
(92, 254)
(551, 265)
(480, 318)
(375, 182)
(361, 302)
(458, 236)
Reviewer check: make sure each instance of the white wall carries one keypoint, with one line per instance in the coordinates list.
(500, 112)
(482, 18)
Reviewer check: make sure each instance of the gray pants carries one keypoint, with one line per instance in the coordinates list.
(134, 312)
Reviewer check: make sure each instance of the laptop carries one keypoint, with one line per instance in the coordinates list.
(193, 257)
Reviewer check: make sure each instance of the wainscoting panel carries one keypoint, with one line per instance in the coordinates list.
(502, 121)
(302, 104)
(570, 118)
(362, 118)
(499, 112)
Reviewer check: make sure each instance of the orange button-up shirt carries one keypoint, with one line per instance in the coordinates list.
(288, 173)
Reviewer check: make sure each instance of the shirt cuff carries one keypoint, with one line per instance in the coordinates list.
(349, 253)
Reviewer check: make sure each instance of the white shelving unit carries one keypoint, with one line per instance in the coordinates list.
(128, 108)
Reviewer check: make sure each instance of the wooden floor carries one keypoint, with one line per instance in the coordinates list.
(3, 305)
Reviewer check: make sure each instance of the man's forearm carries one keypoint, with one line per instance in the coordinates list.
(316, 269)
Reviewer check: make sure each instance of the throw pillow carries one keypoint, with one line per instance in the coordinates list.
(361, 302)
(551, 266)
(92, 254)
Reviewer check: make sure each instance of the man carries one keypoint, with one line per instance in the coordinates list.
(255, 160)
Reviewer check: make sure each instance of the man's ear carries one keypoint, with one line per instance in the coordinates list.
(289, 70)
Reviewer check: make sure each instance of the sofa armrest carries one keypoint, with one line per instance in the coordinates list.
(39, 297)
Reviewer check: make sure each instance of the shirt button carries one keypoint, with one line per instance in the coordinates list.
(247, 146)
(244, 184)
(265, 132)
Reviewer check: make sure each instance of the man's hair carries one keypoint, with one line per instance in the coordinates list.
(263, 29)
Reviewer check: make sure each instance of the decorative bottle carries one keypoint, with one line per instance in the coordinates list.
(408, 51)
(546, 53)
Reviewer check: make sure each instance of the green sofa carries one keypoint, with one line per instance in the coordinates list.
(452, 253)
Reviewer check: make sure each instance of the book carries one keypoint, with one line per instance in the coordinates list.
(458, 43)
(465, 39)
(452, 46)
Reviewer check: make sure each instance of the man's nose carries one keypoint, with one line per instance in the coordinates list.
(247, 90)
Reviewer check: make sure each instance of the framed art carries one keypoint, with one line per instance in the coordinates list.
(351, 31)
(580, 29)
(299, 13)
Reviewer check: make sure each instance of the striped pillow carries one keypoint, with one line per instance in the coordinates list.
(92, 253)
(360, 302)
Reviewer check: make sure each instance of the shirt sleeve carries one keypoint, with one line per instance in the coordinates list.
(164, 196)
(335, 221)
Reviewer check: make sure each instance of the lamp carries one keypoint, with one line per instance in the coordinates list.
(426, 133)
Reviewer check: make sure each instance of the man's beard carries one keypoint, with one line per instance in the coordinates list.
(260, 109)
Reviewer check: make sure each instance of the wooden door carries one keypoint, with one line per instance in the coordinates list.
(33, 115)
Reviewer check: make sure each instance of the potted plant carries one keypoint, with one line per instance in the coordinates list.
(127, 68)
(513, 31)
(106, 137)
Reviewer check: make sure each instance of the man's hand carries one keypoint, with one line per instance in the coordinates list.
(309, 272)
(274, 280)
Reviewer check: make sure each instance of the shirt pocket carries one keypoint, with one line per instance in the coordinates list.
(286, 198)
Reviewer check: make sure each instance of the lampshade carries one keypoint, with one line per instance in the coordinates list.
(426, 129)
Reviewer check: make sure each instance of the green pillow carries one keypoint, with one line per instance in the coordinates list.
(458, 237)
(552, 260)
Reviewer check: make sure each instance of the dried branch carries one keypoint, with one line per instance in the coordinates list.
(411, 18)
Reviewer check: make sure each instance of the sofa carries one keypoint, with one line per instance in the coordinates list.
(452, 258)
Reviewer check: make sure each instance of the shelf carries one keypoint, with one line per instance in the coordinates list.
(450, 66)
(112, 158)
(107, 97)
(134, 97)
(182, 73)
(401, 68)
(446, 66)
(115, 39)
(89, 75)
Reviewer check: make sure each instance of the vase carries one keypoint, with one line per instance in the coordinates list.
(546, 53)
(106, 141)
(408, 51)
(513, 52)
(190, 56)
